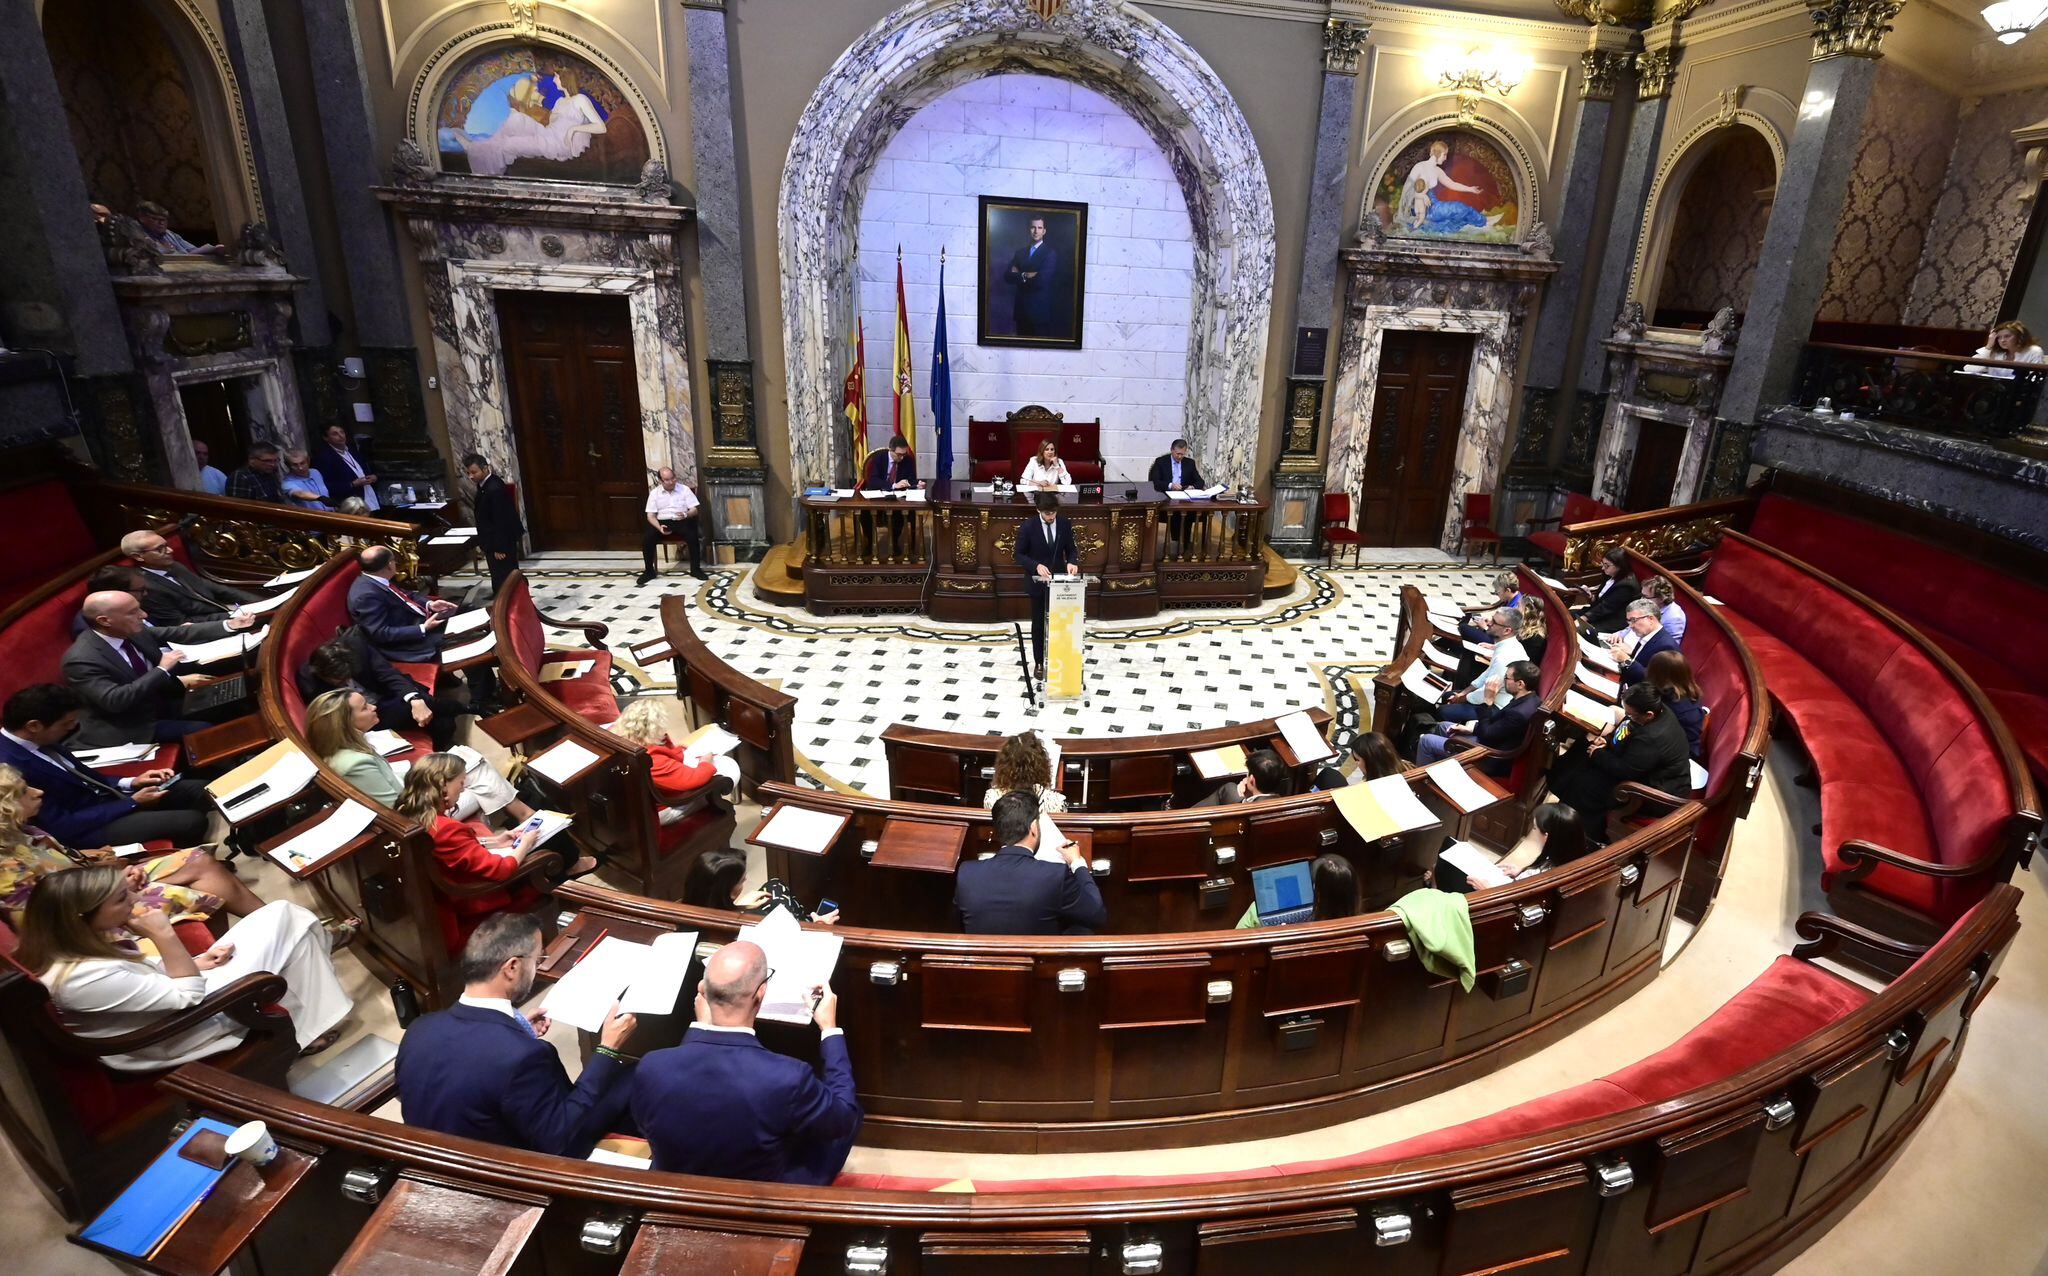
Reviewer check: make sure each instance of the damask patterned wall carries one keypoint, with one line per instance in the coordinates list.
(1719, 230)
(1894, 188)
(130, 108)
(1979, 218)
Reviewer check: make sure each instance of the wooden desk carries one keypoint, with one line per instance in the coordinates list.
(416, 1229)
(921, 846)
(232, 1212)
(227, 741)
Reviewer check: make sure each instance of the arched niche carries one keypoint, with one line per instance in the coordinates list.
(1114, 48)
(1707, 213)
(185, 67)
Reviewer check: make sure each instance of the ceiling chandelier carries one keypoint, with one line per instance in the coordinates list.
(2011, 20)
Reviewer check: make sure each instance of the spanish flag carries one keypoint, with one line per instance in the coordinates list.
(857, 399)
(906, 400)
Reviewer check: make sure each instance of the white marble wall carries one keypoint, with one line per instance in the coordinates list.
(1034, 136)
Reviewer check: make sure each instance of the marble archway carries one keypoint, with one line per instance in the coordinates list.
(929, 46)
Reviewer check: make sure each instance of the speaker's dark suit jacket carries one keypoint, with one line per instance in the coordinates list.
(187, 597)
(1032, 549)
(479, 1073)
(120, 704)
(722, 1103)
(1015, 893)
(75, 808)
(1161, 476)
(498, 526)
(393, 627)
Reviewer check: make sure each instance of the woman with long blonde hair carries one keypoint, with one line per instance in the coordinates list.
(468, 852)
(337, 727)
(187, 884)
(79, 934)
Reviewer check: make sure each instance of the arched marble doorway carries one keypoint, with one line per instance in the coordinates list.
(1114, 48)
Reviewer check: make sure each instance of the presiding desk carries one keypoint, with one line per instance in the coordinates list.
(952, 555)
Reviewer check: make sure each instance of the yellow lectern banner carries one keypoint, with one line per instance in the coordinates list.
(1063, 624)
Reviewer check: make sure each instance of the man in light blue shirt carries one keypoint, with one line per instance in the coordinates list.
(1463, 706)
(211, 480)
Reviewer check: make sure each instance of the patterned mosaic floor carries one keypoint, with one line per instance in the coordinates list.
(1176, 672)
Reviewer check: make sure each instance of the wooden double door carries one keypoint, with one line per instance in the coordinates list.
(576, 418)
(1418, 408)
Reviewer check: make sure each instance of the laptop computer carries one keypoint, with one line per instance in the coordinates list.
(1283, 893)
(216, 695)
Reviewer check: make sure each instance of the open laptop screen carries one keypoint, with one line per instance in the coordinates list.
(1282, 890)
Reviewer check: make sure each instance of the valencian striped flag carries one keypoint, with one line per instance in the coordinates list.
(899, 384)
(942, 386)
(857, 399)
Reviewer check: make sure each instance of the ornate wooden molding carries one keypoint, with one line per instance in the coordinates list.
(1851, 28)
(1608, 13)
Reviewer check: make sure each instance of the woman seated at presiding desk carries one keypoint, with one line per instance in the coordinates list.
(189, 885)
(80, 932)
(336, 727)
(1046, 470)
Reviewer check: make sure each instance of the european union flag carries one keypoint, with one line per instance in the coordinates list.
(942, 386)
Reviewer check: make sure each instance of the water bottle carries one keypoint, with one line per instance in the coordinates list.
(412, 497)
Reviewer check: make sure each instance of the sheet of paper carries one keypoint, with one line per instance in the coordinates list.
(425, 505)
(287, 772)
(481, 647)
(1588, 712)
(1440, 659)
(878, 494)
(1180, 496)
(1699, 776)
(1479, 867)
(659, 980)
(449, 538)
(564, 670)
(1382, 808)
(464, 532)
(546, 823)
(224, 648)
(1483, 650)
(584, 996)
(283, 579)
(799, 828)
(1416, 678)
(802, 960)
(602, 1156)
(1712, 601)
(916, 494)
(1553, 582)
(563, 761)
(342, 824)
(116, 754)
(843, 493)
(1218, 764)
(464, 621)
(126, 849)
(387, 743)
(1438, 607)
(1599, 684)
(264, 606)
(1597, 655)
(1465, 793)
(1303, 738)
(709, 739)
(1444, 625)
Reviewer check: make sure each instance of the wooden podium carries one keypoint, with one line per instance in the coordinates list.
(1064, 657)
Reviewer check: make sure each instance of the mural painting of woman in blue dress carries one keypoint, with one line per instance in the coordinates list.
(530, 111)
(1453, 185)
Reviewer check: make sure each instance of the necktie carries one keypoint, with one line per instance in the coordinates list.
(892, 471)
(525, 1023)
(404, 598)
(64, 759)
(135, 660)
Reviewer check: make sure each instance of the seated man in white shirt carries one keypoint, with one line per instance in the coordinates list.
(671, 512)
(1463, 706)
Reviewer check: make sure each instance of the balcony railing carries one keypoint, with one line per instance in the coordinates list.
(1940, 393)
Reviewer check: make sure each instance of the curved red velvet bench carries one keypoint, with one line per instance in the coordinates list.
(1993, 624)
(1925, 805)
(1728, 1152)
(523, 645)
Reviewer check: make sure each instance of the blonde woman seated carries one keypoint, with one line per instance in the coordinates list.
(469, 853)
(1023, 766)
(79, 933)
(1046, 470)
(679, 776)
(337, 726)
(189, 885)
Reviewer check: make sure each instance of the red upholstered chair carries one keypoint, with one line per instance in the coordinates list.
(1477, 525)
(589, 694)
(1337, 530)
(1578, 508)
(61, 540)
(988, 451)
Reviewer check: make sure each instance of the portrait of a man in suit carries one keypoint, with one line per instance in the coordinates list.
(1032, 272)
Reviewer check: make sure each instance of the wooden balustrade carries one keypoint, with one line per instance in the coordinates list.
(249, 540)
(1967, 397)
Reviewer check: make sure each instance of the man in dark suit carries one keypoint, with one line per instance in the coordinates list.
(82, 808)
(1176, 472)
(1496, 727)
(722, 1103)
(1265, 776)
(1649, 748)
(127, 678)
(893, 469)
(479, 1069)
(174, 594)
(1651, 638)
(347, 660)
(498, 527)
(401, 624)
(343, 471)
(1013, 892)
(1031, 273)
(1045, 548)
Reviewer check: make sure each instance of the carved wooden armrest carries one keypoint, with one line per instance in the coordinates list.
(1861, 858)
(1824, 933)
(595, 631)
(538, 863)
(242, 1000)
(1632, 796)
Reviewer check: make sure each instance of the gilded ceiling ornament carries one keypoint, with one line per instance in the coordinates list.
(1342, 42)
(1653, 73)
(525, 16)
(1851, 28)
(1608, 13)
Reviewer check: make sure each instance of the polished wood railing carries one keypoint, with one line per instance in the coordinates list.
(247, 540)
(1967, 397)
(1678, 535)
(762, 717)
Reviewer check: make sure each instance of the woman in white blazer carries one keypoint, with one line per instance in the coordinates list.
(1046, 470)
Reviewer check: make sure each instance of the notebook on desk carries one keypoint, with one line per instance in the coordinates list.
(1283, 894)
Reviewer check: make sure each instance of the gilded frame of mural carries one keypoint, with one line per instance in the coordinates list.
(1450, 184)
(1513, 154)
(453, 56)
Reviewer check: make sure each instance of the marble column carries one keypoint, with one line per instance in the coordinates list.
(1604, 70)
(734, 478)
(1800, 239)
(1294, 529)
(1617, 258)
(378, 303)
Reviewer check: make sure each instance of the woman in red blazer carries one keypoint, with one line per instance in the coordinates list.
(468, 852)
(676, 778)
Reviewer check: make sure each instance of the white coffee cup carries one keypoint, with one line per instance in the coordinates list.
(252, 1143)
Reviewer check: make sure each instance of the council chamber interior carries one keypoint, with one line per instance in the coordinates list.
(759, 636)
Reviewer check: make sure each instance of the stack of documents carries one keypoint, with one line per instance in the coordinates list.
(341, 826)
(203, 653)
(1457, 784)
(115, 754)
(1382, 808)
(464, 621)
(1588, 712)
(641, 979)
(1203, 494)
(1599, 683)
(387, 743)
(800, 959)
(271, 777)
(1302, 738)
(1218, 764)
(709, 740)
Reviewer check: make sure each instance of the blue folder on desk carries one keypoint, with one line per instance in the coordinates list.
(140, 1218)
